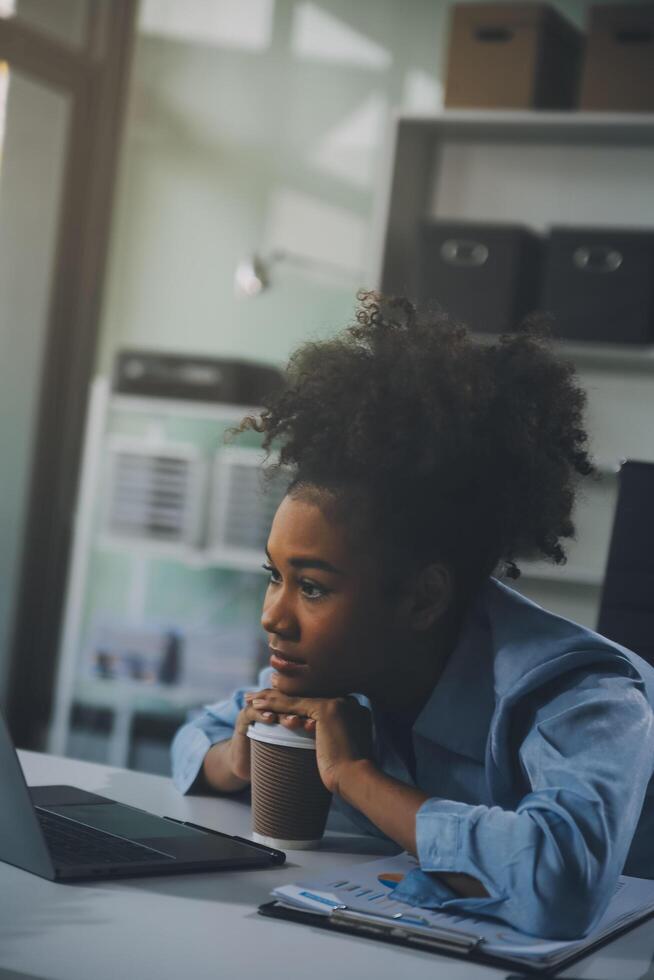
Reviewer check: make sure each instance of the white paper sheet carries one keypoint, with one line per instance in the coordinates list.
(369, 888)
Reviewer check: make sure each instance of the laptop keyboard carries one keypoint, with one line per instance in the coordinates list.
(75, 843)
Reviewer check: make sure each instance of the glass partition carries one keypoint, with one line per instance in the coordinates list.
(33, 144)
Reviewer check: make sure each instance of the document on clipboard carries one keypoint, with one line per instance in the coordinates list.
(359, 899)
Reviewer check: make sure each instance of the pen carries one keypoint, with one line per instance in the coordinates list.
(279, 857)
(437, 937)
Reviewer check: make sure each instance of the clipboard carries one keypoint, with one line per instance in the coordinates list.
(356, 924)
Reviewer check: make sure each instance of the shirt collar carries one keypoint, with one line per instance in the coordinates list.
(459, 712)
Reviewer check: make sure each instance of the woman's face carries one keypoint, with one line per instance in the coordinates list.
(330, 628)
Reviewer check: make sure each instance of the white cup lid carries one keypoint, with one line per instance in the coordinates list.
(280, 735)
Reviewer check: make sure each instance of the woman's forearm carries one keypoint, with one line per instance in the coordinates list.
(217, 769)
(388, 803)
(392, 806)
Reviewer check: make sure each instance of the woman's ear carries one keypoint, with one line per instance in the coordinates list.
(428, 597)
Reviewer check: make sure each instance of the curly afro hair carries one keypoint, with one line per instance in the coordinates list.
(444, 446)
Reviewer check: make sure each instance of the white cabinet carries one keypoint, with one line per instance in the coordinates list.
(165, 582)
(539, 169)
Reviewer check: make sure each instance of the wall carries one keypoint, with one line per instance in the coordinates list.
(262, 125)
(256, 125)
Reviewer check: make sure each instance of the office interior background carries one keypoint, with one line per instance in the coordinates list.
(188, 191)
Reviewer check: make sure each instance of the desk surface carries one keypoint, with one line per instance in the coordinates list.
(196, 927)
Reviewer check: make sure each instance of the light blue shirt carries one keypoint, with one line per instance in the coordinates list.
(536, 748)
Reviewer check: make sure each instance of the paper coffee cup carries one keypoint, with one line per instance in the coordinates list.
(289, 800)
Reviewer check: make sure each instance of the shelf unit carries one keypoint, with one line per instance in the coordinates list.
(538, 169)
(492, 166)
(128, 700)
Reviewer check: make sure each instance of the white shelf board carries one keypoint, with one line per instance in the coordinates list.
(608, 126)
(239, 559)
(138, 696)
(236, 559)
(231, 559)
(181, 408)
(564, 574)
(607, 357)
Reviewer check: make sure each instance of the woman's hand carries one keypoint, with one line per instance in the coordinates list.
(239, 746)
(343, 728)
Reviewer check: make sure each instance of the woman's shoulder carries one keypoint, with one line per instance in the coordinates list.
(532, 646)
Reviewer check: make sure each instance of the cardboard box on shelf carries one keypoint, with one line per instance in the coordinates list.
(618, 72)
(512, 56)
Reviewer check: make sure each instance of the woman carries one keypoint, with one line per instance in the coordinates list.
(509, 749)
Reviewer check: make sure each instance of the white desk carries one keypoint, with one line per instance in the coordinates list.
(197, 927)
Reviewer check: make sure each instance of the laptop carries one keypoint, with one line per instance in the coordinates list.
(66, 834)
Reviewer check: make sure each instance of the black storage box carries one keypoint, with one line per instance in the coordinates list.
(618, 73)
(483, 274)
(153, 374)
(599, 284)
(512, 56)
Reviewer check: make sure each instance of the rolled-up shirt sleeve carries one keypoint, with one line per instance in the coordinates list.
(551, 864)
(215, 723)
